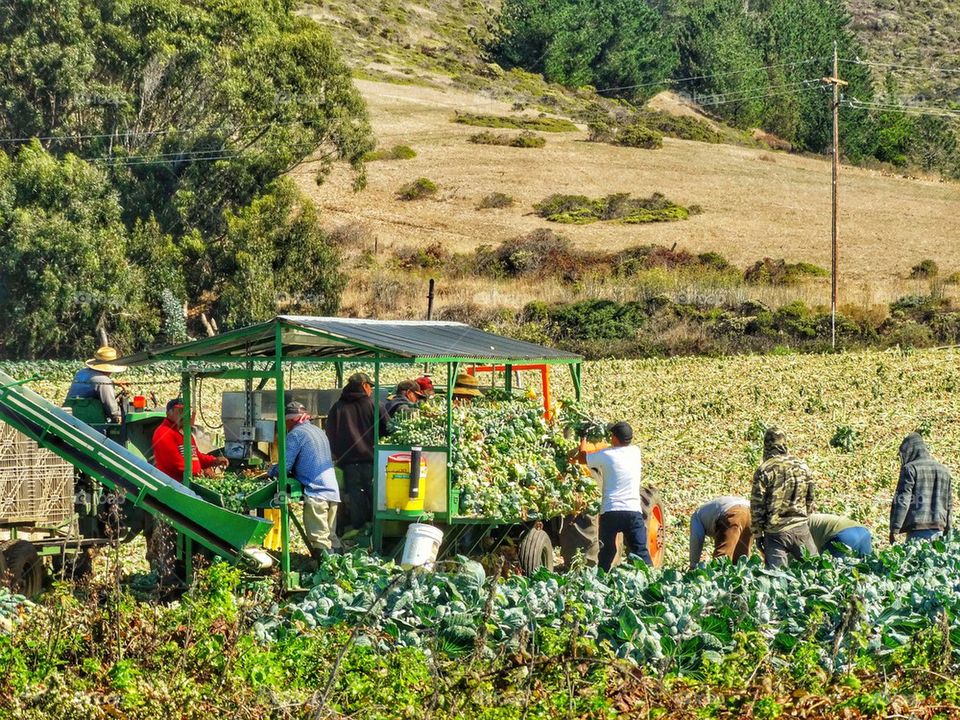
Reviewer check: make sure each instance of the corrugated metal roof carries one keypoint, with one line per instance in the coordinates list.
(348, 338)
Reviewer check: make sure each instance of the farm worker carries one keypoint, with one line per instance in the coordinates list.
(781, 501)
(406, 397)
(168, 453)
(618, 470)
(425, 382)
(923, 504)
(94, 381)
(350, 430)
(727, 521)
(309, 460)
(466, 388)
(839, 536)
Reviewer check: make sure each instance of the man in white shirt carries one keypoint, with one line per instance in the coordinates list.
(618, 470)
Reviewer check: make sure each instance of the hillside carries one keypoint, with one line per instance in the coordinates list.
(916, 33)
(419, 64)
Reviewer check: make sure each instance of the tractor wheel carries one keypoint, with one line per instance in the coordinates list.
(24, 567)
(535, 551)
(655, 514)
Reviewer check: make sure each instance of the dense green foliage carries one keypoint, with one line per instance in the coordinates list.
(190, 113)
(753, 64)
(507, 460)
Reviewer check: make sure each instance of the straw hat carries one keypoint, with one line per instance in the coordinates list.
(467, 385)
(103, 360)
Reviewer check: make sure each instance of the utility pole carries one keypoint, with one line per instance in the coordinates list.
(836, 82)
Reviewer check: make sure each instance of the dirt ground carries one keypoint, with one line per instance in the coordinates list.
(756, 203)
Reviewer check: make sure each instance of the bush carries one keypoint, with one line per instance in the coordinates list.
(924, 269)
(598, 320)
(525, 139)
(620, 207)
(397, 152)
(539, 252)
(780, 272)
(418, 189)
(422, 258)
(495, 201)
(638, 135)
(681, 127)
(542, 123)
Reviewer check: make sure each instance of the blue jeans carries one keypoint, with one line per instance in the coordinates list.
(634, 529)
(857, 539)
(931, 534)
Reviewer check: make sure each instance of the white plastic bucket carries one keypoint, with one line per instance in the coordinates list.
(421, 547)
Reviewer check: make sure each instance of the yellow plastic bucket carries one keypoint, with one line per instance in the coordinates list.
(272, 541)
(398, 483)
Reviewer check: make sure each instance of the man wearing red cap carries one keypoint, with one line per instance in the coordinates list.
(426, 386)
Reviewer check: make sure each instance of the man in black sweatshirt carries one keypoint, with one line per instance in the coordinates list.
(350, 429)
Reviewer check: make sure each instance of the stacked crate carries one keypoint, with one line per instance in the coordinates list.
(36, 486)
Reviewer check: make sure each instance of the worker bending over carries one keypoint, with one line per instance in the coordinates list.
(839, 536)
(94, 381)
(780, 503)
(923, 504)
(309, 460)
(618, 470)
(727, 521)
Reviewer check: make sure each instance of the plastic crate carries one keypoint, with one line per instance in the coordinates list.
(36, 485)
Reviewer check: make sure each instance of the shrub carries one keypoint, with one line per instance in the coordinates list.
(598, 320)
(542, 123)
(711, 259)
(796, 319)
(620, 207)
(422, 258)
(495, 201)
(780, 272)
(397, 152)
(418, 189)
(682, 127)
(536, 253)
(525, 139)
(924, 269)
(638, 135)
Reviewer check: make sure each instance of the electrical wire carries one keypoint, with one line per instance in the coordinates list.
(858, 61)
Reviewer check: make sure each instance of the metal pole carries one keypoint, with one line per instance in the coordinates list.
(430, 300)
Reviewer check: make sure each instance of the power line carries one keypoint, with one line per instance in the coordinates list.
(857, 104)
(858, 61)
(691, 78)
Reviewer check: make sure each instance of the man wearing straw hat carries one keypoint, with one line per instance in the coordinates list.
(466, 388)
(93, 381)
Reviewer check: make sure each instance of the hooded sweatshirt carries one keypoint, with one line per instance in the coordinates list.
(924, 498)
(350, 426)
(782, 493)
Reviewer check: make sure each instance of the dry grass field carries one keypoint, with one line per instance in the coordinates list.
(756, 202)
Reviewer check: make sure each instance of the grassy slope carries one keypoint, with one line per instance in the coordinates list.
(420, 62)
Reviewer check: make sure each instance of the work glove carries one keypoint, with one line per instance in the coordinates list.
(893, 538)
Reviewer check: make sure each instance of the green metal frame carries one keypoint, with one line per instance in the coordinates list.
(239, 367)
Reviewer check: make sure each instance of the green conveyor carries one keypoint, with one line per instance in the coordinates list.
(225, 533)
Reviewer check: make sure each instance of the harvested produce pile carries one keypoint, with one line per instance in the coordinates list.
(508, 461)
(840, 613)
(235, 486)
(11, 608)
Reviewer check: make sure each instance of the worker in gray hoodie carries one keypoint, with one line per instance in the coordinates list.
(923, 504)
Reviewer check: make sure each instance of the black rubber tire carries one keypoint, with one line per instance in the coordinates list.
(535, 552)
(656, 516)
(24, 567)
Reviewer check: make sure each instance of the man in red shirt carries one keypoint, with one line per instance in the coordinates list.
(168, 453)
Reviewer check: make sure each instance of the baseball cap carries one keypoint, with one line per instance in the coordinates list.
(621, 431)
(406, 386)
(425, 384)
(175, 402)
(294, 410)
(360, 378)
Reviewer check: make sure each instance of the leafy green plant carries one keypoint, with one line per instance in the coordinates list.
(846, 439)
(417, 189)
(397, 152)
(541, 124)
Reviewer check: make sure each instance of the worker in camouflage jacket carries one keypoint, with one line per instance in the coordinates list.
(781, 501)
(923, 504)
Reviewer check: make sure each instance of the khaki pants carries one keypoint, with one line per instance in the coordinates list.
(733, 534)
(320, 523)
